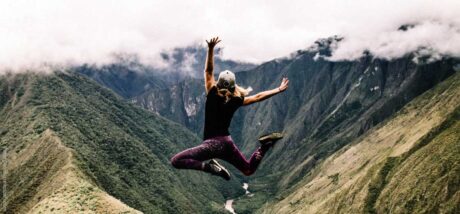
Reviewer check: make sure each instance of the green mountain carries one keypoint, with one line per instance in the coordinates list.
(70, 145)
(364, 136)
(328, 106)
(409, 163)
(125, 79)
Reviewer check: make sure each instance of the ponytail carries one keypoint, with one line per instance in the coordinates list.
(242, 92)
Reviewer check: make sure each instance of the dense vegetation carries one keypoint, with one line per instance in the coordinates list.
(124, 150)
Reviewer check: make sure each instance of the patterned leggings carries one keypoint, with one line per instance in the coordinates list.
(221, 147)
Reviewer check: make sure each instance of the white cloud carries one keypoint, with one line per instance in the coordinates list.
(428, 37)
(33, 33)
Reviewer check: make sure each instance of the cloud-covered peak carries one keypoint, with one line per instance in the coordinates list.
(65, 32)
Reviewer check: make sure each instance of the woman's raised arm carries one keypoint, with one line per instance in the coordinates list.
(266, 94)
(209, 67)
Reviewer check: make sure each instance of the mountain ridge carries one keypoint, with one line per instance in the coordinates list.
(129, 78)
(120, 149)
(379, 154)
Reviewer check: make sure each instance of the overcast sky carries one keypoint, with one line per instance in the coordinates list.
(90, 31)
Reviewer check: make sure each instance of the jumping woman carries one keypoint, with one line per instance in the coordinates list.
(222, 100)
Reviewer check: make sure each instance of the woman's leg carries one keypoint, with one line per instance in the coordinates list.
(193, 158)
(234, 156)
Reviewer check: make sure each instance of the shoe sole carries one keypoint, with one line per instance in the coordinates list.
(221, 167)
(271, 137)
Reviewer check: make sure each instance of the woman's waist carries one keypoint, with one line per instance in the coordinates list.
(218, 137)
(214, 131)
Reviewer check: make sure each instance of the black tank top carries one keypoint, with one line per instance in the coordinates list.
(218, 113)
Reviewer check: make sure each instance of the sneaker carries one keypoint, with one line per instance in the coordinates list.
(270, 139)
(216, 169)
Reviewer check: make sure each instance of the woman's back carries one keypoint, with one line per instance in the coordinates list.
(219, 113)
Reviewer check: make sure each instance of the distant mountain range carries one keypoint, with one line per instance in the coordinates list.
(364, 136)
(130, 78)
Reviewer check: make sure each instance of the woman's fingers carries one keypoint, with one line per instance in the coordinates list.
(284, 84)
(285, 80)
(213, 41)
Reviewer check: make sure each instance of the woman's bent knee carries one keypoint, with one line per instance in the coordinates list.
(175, 161)
(248, 172)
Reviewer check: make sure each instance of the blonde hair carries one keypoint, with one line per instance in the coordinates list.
(239, 92)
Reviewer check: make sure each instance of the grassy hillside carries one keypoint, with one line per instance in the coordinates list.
(426, 179)
(112, 148)
(43, 178)
(407, 164)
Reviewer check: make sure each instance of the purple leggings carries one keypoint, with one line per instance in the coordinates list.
(221, 147)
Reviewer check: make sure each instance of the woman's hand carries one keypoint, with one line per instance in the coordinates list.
(213, 42)
(266, 94)
(284, 84)
(209, 67)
